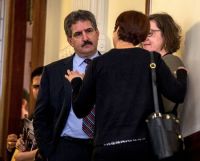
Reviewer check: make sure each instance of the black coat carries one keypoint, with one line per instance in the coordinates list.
(119, 84)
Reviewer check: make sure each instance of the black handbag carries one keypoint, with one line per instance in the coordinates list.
(164, 129)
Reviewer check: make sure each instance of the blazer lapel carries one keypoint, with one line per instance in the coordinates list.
(66, 105)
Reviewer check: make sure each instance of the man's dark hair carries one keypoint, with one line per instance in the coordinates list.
(37, 72)
(25, 95)
(79, 15)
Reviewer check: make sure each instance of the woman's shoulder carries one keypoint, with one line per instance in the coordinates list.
(172, 60)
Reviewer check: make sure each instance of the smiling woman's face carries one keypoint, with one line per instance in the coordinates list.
(155, 39)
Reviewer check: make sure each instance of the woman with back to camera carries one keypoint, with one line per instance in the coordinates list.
(119, 84)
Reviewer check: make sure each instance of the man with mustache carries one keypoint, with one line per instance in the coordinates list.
(58, 131)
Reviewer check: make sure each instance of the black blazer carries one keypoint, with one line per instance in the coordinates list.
(119, 84)
(53, 104)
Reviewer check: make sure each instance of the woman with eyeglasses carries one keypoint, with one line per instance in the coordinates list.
(165, 38)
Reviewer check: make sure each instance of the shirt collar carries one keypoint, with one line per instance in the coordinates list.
(79, 60)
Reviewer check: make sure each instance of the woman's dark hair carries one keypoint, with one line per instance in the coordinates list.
(133, 26)
(79, 15)
(170, 31)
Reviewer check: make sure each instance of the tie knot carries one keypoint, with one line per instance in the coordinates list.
(87, 61)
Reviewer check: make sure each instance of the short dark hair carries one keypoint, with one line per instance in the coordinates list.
(79, 15)
(37, 72)
(25, 95)
(170, 31)
(133, 26)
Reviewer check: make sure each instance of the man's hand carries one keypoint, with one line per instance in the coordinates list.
(11, 142)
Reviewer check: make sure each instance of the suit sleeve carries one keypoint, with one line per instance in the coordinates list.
(42, 118)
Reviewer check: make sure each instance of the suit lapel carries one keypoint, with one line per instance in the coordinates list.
(66, 104)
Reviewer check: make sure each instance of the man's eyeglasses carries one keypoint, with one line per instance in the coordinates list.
(152, 32)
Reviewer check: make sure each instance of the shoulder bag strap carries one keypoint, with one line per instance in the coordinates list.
(153, 76)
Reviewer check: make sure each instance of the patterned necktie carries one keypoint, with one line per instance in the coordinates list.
(88, 121)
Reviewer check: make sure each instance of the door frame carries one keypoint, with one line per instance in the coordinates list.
(15, 59)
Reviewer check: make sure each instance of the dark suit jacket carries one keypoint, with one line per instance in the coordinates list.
(53, 105)
(119, 84)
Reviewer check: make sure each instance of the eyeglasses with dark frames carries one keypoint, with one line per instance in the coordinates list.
(151, 32)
